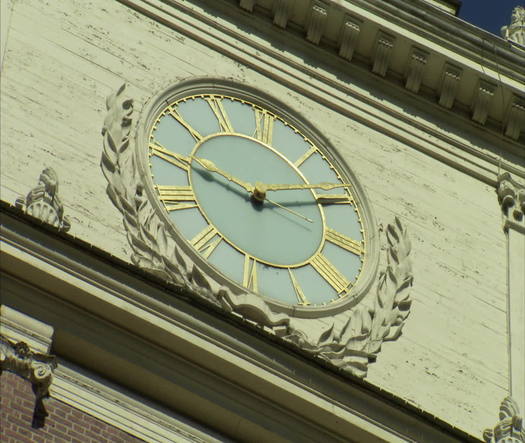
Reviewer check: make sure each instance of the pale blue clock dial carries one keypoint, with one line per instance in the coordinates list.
(299, 246)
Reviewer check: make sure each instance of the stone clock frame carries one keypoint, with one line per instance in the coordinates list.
(355, 330)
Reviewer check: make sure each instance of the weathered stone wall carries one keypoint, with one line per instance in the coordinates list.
(63, 59)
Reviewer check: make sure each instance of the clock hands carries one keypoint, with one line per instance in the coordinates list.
(212, 167)
(259, 190)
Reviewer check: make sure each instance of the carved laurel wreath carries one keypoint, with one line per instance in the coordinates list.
(350, 348)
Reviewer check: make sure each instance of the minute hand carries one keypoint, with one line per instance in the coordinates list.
(325, 186)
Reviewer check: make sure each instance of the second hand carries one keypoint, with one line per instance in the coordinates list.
(289, 210)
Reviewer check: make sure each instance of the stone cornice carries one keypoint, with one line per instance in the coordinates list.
(348, 99)
(448, 41)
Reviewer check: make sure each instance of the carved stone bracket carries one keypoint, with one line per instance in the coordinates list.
(418, 62)
(383, 52)
(247, 5)
(349, 37)
(281, 12)
(449, 85)
(35, 367)
(42, 201)
(481, 105)
(510, 426)
(358, 341)
(515, 118)
(317, 22)
(511, 196)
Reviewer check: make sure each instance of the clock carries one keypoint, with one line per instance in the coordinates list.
(256, 197)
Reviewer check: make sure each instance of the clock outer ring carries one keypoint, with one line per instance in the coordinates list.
(217, 86)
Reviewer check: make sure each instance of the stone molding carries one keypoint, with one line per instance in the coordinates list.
(156, 251)
(42, 201)
(122, 409)
(510, 428)
(511, 196)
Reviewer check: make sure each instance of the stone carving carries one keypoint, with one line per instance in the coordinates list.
(383, 52)
(349, 37)
(449, 85)
(247, 4)
(281, 12)
(515, 117)
(515, 32)
(357, 343)
(317, 23)
(42, 201)
(510, 427)
(511, 196)
(481, 105)
(416, 66)
(154, 250)
(35, 367)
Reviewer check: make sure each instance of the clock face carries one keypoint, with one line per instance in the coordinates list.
(239, 184)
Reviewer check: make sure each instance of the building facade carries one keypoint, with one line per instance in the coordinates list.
(153, 289)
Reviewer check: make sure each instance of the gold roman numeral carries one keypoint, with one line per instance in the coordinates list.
(263, 126)
(176, 115)
(206, 241)
(172, 157)
(330, 273)
(334, 199)
(343, 241)
(298, 290)
(177, 197)
(305, 156)
(220, 113)
(250, 274)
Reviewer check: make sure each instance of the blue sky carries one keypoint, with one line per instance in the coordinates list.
(490, 15)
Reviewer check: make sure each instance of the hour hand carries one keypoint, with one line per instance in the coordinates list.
(212, 167)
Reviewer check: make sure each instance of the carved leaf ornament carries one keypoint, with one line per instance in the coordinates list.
(350, 347)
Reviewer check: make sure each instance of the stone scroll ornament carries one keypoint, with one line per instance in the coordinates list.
(43, 203)
(510, 427)
(154, 250)
(35, 367)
